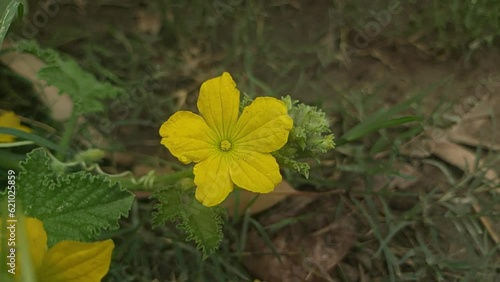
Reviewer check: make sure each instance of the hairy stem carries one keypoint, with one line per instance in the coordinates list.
(149, 183)
(67, 136)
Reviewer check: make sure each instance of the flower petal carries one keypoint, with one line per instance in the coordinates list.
(211, 177)
(219, 103)
(187, 136)
(37, 240)
(256, 172)
(11, 120)
(70, 261)
(263, 126)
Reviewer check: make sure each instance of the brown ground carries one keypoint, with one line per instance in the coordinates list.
(337, 242)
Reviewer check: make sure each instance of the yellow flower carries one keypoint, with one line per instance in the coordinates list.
(9, 119)
(228, 149)
(67, 261)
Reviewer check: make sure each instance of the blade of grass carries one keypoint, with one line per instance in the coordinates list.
(35, 138)
(265, 237)
(368, 210)
(13, 7)
(288, 221)
(16, 144)
(381, 118)
(243, 234)
(373, 124)
(394, 227)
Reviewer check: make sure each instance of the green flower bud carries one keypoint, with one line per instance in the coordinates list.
(90, 156)
(310, 137)
(186, 184)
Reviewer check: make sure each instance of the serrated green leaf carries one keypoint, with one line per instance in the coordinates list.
(84, 89)
(202, 224)
(74, 206)
(300, 167)
(49, 56)
(170, 205)
(86, 92)
(55, 76)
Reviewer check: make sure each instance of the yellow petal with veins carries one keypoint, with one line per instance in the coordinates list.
(188, 137)
(263, 126)
(37, 246)
(211, 177)
(229, 149)
(37, 240)
(256, 172)
(219, 103)
(70, 261)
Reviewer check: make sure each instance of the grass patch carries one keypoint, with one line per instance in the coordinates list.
(417, 225)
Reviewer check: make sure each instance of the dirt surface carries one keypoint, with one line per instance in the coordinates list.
(334, 238)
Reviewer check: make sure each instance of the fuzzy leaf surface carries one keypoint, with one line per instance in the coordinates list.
(84, 89)
(202, 224)
(75, 206)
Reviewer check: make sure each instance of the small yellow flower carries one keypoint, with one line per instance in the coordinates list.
(228, 149)
(9, 119)
(67, 261)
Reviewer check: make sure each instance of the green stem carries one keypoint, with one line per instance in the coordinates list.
(172, 178)
(163, 180)
(67, 136)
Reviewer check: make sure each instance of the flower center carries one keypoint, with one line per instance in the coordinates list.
(225, 145)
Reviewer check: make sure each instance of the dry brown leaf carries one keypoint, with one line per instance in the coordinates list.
(479, 127)
(411, 174)
(475, 129)
(465, 160)
(493, 227)
(181, 96)
(148, 22)
(303, 256)
(418, 147)
(263, 202)
(462, 158)
(464, 135)
(435, 142)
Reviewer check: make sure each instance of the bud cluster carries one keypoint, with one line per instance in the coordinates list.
(310, 137)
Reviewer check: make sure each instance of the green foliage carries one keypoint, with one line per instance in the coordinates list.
(309, 138)
(437, 27)
(49, 56)
(383, 118)
(29, 136)
(90, 156)
(12, 8)
(246, 100)
(75, 206)
(460, 25)
(202, 224)
(84, 89)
